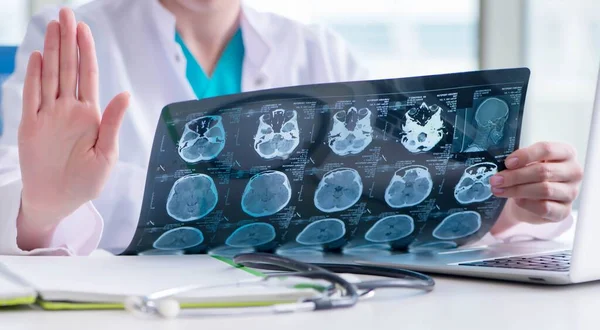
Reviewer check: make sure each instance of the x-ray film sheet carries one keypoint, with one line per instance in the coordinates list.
(396, 164)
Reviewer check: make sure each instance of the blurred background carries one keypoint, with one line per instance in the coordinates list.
(559, 40)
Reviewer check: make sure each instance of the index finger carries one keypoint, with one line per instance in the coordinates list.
(541, 151)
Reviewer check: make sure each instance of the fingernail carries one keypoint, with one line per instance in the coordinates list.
(496, 180)
(497, 190)
(512, 162)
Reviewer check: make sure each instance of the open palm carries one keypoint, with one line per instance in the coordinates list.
(67, 147)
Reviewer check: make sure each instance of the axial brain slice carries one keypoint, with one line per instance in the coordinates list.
(338, 190)
(458, 225)
(409, 186)
(322, 232)
(474, 185)
(251, 235)
(423, 128)
(266, 193)
(351, 132)
(179, 238)
(390, 228)
(192, 197)
(278, 134)
(202, 139)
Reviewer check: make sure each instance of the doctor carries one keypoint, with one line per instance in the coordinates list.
(79, 129)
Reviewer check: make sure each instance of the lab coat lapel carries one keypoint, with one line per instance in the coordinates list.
(256, 73)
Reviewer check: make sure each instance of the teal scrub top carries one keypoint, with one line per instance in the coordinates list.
(227, 75)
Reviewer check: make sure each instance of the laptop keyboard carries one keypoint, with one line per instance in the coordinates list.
(559, 262)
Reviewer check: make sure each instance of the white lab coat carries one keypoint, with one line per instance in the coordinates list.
(137, 52)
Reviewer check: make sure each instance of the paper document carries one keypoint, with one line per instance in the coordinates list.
(396, 164)
(13, 291)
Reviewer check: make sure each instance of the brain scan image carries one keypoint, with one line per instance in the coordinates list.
(423, 128)
(474, 185)
(432, 246)
(179, 239)
(251, 235)
(490, 117)
(277, 135)
(322, 232)
(192, 197)
(409, 186)
(390, 228)
(458, 225)
(351, 132)
(266, 194)
(338, 190)
(154, 252)
(202, 139)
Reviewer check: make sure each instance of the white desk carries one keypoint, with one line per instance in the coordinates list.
(454, 304)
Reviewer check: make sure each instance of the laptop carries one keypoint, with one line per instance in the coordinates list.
(544, 262)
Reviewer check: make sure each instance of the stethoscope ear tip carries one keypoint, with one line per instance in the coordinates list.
(168, 308)
(133, 304)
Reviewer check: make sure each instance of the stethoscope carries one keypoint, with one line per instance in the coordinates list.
(340, 292)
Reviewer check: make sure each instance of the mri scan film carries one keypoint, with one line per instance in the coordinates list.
(423, 129)
(192, 197)
(251, 235)
(322, 232)
(490, 116)
(458, 225)
(202, 139)
(474, 185)
(351, 132)
(338, 190)
(266, 194)
(369, 167)
(278, 134)
(179, 239)
(409, 186)
(390, 228)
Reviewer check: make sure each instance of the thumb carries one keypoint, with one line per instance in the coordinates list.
(107, 144)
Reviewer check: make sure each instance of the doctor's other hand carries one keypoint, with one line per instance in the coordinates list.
(541, 183)
(67, 147)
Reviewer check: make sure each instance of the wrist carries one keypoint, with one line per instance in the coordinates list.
(35, 229)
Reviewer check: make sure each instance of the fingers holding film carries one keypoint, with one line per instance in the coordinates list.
(541, 151)
(544, 210)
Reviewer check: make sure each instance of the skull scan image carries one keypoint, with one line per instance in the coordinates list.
(423, 128)
(474, 185)
(179, 239)
(322, 232)
(351, 132)
(431, 246)
(251, 235)
(192, 197)
(390, 228)
(490, 117)
(409, 186)
(458, 225)
(338, 190)
(266, 193)
(277, 135)
(202, 139)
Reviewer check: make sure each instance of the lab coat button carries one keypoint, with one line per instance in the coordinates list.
(259, 81)
(177, 58)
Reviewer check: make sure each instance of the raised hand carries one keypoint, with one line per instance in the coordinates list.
(541, 182)
(67, 147)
